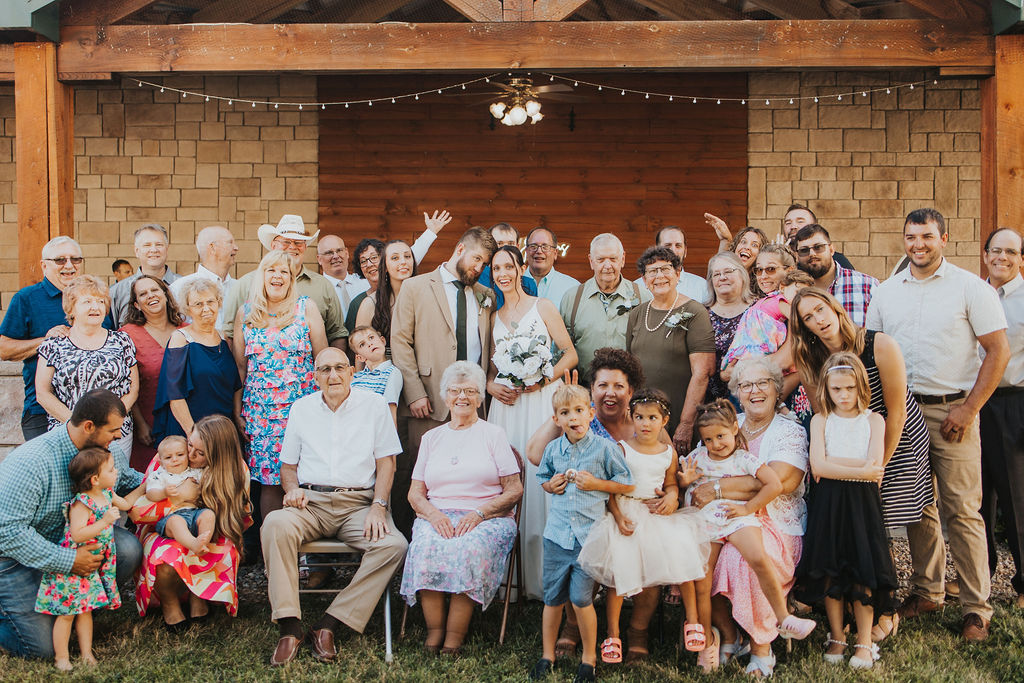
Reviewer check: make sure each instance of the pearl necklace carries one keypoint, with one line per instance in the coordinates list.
(647, 315)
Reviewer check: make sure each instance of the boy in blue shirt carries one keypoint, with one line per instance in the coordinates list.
(580, 470)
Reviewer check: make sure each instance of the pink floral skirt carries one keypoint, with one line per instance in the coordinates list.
(735, 581)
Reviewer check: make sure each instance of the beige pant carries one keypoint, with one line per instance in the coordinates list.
(956, 472)
(329, 515)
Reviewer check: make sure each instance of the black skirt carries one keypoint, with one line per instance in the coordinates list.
(846, 553)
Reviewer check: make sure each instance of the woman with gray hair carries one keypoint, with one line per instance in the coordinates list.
(730, 297)
(464, 487)
(757, 383)
(198, 376)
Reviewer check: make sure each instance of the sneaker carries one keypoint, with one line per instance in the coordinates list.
(585, 674)
(975, 629)
(915, 605)
(540, 670)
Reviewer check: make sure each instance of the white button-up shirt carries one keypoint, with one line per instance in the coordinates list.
(1011, 296)
(348, 289)
(553, 286)
(341, 447)
(936, 322)
(202, 272)
(473, 349)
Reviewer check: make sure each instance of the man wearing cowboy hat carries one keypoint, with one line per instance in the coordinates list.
(290, 236)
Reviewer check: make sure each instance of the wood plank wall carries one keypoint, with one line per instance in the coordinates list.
(629, 166)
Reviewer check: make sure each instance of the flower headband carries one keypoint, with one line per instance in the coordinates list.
(650, 399)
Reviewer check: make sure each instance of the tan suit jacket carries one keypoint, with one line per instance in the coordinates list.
(423, 338)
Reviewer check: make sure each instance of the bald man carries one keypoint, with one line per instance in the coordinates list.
(217, 249)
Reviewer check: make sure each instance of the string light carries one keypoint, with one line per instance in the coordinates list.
(648, 95)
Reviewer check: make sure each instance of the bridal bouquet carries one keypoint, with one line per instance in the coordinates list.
(523, 358)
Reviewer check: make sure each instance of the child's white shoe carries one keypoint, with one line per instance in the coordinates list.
(795, 627)
(873, 655)
(836, 658)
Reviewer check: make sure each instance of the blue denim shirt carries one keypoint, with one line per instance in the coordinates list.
(572, 513)
(34, 485)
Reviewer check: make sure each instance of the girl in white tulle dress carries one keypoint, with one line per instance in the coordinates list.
(632, 547)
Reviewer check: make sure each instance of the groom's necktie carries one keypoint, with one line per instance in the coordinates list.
(460, 321)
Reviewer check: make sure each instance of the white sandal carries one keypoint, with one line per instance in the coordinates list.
(873, 656)
(838, 658)
(762, 665)
(729, 651)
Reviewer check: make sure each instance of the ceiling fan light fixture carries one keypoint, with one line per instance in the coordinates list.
(532, 107)
(536, 117)
(498, 110)
(518, 115)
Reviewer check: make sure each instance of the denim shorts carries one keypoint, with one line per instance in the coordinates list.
(564, 578)
(191, 516)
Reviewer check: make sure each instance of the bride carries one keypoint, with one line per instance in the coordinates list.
(520, 411)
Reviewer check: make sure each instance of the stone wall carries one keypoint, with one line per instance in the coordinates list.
(863, 163)
(8, 207)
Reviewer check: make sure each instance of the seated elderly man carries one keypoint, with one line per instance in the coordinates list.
(337, 465)
(34, 485)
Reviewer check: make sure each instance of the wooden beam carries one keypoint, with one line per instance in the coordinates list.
(478, 10)
(369, 11)
(100, 12)
(808, 9)
(975, 12)
(6, 63)
(252, 11)
(686, 10)
(691, 45)
(44, 155)
(1002, 144)
(556, 10)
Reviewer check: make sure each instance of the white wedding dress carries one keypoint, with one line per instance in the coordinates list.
(520, 421)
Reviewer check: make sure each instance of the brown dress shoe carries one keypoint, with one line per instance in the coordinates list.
(1019, 601)
(915, 605)
(975, 628)
(285, 651)
(322, 642)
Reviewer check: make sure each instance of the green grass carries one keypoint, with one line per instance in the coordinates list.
(927, 649)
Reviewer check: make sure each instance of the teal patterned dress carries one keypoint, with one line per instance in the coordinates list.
(63, 594)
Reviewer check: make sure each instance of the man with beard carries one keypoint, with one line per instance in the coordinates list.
(34, 486)
(440, 317)
(816, 256)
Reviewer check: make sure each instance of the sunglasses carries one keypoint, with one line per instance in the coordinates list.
(816, 248)
(770, 270)
(62, 260)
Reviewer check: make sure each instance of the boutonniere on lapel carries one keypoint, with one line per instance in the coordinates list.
(483, 299)
(625, 308)
(677, 321)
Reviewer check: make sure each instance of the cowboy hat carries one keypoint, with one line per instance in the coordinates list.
(289, 227)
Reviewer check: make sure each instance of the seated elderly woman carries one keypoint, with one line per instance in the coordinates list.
(464, 486)
(756, 382)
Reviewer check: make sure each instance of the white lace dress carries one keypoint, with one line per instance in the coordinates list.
(662, 550)
(520, 421)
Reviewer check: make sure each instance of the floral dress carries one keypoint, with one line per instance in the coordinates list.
(64, 594)
(279, 371)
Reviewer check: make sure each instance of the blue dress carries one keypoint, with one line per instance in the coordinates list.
(205, 377)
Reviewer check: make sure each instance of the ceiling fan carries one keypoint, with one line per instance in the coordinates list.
(517, 99)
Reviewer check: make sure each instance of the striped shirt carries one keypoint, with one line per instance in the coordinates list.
(383, 379)
(572, 513)
(34, 485)
(853, 289)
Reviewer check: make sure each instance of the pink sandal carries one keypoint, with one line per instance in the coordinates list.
(611, 651)
(693, 637)
(707, 660)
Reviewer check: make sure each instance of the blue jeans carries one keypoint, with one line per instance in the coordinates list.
(23, 631)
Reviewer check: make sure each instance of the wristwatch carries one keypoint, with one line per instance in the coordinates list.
(718, 491)
(380, 501)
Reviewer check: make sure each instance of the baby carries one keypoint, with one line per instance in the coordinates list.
(187, 524)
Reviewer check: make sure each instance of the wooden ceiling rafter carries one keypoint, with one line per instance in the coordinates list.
(976, 12)
(366, 11)
(253, 11)
(808, 9)
(100, 12)
(694, 45)
(687, 10)
(478, 10)
(557, 10)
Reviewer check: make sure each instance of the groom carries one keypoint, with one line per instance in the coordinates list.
(440, 317)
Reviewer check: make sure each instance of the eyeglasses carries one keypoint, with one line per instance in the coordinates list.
(62, 260)
(369, 260)
(546, 248)
(816, 248)
(761, 384)
(771, 270)
(456, 392)
(999, 251)
(339, 368)
(658, 270)
(333, 252)
(722, 274)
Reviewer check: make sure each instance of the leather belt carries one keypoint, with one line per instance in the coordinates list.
(930, 400)
(332, 489)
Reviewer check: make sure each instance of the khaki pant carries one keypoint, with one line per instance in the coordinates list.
(956, 472)
(329, 515)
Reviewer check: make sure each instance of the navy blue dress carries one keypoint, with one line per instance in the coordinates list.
(205, 377)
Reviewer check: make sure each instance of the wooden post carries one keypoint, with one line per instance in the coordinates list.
(1002, 139)
(45, 163)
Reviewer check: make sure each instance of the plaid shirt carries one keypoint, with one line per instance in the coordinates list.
(853, 290)
(572, 513)
(34, 485)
